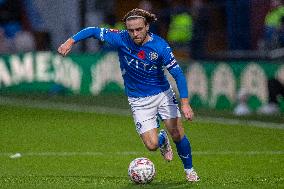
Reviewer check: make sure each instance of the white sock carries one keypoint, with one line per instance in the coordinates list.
(187, 171)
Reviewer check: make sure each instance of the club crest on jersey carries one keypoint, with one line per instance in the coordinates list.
(153, 55)
(141, 55)
(138, 126)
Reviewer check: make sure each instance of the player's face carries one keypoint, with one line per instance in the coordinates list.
(138, 30)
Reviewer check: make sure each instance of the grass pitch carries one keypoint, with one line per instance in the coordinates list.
(69, 149)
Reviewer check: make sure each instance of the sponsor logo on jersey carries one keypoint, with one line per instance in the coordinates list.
(135, 63)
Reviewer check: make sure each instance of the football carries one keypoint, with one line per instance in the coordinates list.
(141, 170)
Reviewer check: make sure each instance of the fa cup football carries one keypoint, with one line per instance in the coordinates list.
(141, 170)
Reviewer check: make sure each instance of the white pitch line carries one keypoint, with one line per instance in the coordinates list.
(99, 109)
(228, 121)
(126, 153)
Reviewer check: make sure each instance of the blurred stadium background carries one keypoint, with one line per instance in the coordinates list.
(231, 51)
(232, 60)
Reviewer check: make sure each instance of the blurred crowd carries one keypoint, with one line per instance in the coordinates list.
(273, 31)
(19, 25)
(192, 27)
(15, 31)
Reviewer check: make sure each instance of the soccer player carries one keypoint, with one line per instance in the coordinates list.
(143, 56)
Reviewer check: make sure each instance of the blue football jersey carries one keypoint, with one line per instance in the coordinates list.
(142, 66)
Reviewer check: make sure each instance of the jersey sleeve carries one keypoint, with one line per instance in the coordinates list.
(110, 36)
(174, 69)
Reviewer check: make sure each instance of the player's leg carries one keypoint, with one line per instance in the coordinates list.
(170, 114)
(144, 111)
(175, 128)
(182, 143)
(150, 139)
(165, 146)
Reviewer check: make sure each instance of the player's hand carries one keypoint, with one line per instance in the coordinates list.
(187, 112)
(66, 47)
(186, 109)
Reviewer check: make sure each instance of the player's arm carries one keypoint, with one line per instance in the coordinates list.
(174, 69)
(179, 77)
(102, 34)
